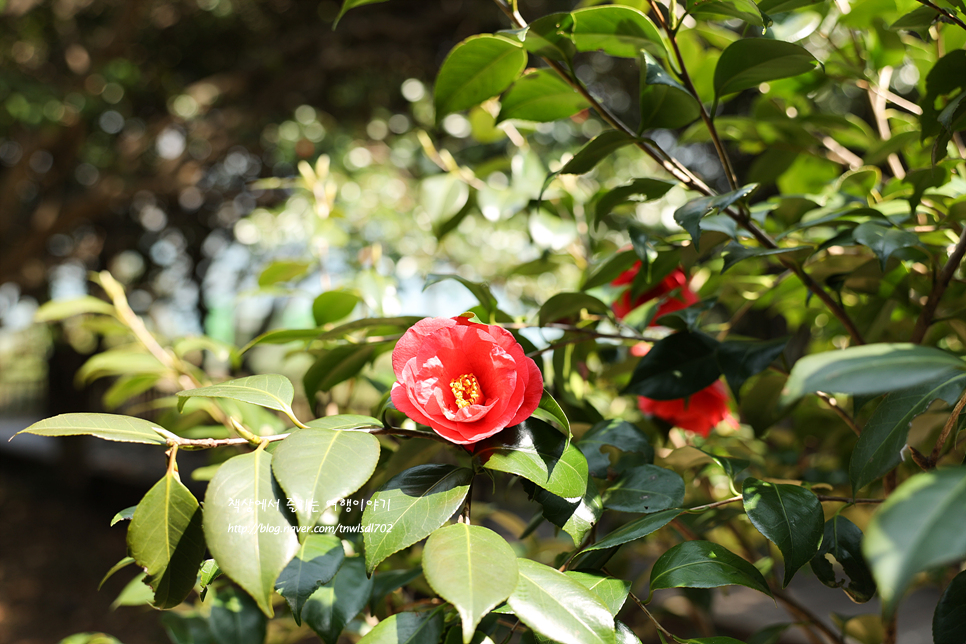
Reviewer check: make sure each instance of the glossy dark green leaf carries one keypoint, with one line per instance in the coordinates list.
(637, 191)
(539, 453)
(843, 541)
(635, 530)
(548, 37)
(335, 604)
(123, 563)
(663, 106)
(734, 252)
(645, 489)
(731, 466)
(559, 608)
(563, 306)
(739, 360)
(789, 516)
(282, 271)
(883, 240)
(272, 391)
(235, 618)
(612, 592)
(616, 30)
(471, 567)
(332, 306)
(245, 525)
(703, 564)
(689, 215)
(885, 434)
(385, 583)
(335, 366)
(869, 369)
(749, 62)
(949, 619)
(480, 290)
(410, 506)
(610, 269)
(315, 563)
(922, 180)
(111, 427)
(617, 433)
(407, 628)
(625, 635)
(549, 409)
(57, 310)
(773, 7)
(316, 467)
(166, 539)
(575, 517)
(676, 367)
(595, 150)
(919, 527)
(352, 4)
(476, 69)
(182, 629)
(540, 96)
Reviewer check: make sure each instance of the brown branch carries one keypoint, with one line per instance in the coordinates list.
(803, 613)
(938, 288)
(949, 15)
(834, 406)
(651, 617)
(944, 434)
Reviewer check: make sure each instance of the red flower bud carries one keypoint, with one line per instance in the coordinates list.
(464, 379)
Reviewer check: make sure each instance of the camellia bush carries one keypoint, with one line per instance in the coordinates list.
(758, 371)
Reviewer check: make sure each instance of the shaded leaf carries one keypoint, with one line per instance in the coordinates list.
(703, 564)
(315, 563)
(336, 603)
(635, 530)
(335, 366)
(595, 150)
(407, 628)
(616, 30)
(352, 4)
(749, 62)
(949, 619)
(843, 540)
(480, 290)
(540, 96)
(617, 433)
(739, 360)
(637, 191)
(563, 306)
(550, 410)
(677, 366)
(547, 36)
(645, 489)
(883, 240)
(476, 69)
(236, 619)
(689, 215)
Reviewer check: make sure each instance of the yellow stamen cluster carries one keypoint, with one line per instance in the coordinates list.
(467, 390)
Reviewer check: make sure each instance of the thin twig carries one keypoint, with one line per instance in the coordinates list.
(947, 429)
(946, 12)
(716, 504)
(938, 288)
(802, 612)
(657, 624)
(834, 406)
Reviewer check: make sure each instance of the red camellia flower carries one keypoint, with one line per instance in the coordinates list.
(464, 379)
(700, 412)
(675, 280)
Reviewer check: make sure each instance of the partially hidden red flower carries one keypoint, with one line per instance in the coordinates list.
(700, 412)
(464, 379)
(675, 280)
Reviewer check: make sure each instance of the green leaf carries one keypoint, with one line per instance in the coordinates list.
(443, 196)
(208, 572)
(689, 215)
(576, 518)
(645, 489)
(610, 269)
(135, 593)
(336, 603)
(236, 618)
(123, 563)
(616, 30)
(539, 453)
(335, 366)
(413, 504)
(550, 409)
(344, 421)
(123, 515)
(919, 527)
(636, 529)
(594, 151)
(304, 335)
(949, 619)
(617, 433)
(118, 362)
(625, 635)
(676, 367)
(789, 516)
(111, 427)
(317, 467)
(612, 592)
(271, 391)
(315, 563)
(843, 540)
(480, 290)
(332, 306)
(547, 37)
(540, 96)
(663, 106)
(384, 583)
(703, 564)
(884, 435)
(869, 369)
(742, 9)
(166, 539)
(637, 191)
(352, 4)
(407, 628)
(731, 466)
(559, 608)
(749, 62)
(282, 271)
(921, 180)
(184, 630)
(478, 68)
(739, 360)
(471, 567)
(246, 529)
(735, 252)
(569, 305)
(883, 240)
(57, 310)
